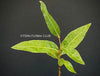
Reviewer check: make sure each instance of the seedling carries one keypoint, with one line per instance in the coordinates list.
(67, 46)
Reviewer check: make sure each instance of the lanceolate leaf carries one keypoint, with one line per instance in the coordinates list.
(38, 46)
(73, 54)
(51, 23)
(67, 64)
(74, 38)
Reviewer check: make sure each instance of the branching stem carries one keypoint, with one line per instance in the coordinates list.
(59, 55)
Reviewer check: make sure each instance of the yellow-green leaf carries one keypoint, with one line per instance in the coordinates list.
(60, 62)
(38, 46)
(74, 38)
(74, 55)
(51, 23)
(69, 66)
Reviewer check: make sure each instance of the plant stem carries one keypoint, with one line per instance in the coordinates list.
(59, 55)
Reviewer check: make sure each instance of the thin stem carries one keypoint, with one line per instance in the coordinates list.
(60, 48)
(59, 55)
(59, 70)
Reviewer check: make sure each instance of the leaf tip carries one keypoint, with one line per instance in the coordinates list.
(90, 24)
(40, 1)
(83, 63)
(75, 72)
(13, 47)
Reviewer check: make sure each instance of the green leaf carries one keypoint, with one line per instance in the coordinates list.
(53, 55)
(73, 54)
(74, 38)
(51, 23)
(61, 62)
(38, 46)
(69, 66)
